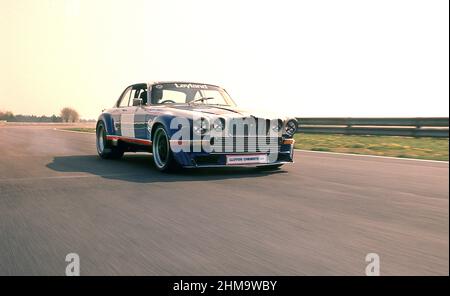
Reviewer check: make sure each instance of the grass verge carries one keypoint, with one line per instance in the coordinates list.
(403, 147)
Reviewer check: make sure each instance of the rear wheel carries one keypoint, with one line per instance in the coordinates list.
(162, 154)
(104, 147)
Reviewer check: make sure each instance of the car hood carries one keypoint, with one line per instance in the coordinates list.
(217, 111)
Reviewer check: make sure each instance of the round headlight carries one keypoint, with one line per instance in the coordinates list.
(291, 128)
(200, 126)
(219, 124)
(277, 126)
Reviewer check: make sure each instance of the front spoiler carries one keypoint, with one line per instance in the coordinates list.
(256, 165)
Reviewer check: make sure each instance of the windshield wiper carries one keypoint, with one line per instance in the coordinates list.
(201, 99)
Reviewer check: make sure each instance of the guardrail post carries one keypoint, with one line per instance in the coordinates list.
(348, 122)
(418, 126)
(418, 123)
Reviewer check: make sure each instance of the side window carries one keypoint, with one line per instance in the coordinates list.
(124, 101)
(134, 95)
(143, 95)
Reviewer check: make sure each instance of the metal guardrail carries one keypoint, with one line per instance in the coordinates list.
(412, 127)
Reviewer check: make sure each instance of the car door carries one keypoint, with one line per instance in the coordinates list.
(141, 114)
(120, 116)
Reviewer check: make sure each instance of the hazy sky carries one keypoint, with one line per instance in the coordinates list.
(307, 58)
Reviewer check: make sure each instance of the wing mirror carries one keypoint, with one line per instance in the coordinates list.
(138, 102)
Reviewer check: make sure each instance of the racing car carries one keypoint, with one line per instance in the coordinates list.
(192, 125)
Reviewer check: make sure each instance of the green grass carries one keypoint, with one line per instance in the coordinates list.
(405, 147)
(81, 129)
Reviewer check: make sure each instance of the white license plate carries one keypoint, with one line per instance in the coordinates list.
(246, 159)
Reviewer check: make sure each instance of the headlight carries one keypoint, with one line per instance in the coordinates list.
(291, 128)
(201, 126)
(277, 125)
(219, 124)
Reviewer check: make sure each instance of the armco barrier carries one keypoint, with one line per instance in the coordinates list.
(412, 127)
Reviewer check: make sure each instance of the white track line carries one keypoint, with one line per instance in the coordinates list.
(76, 132)
(374, 156)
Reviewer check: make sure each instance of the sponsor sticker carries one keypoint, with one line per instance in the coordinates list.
(191, 85)
(246, 159)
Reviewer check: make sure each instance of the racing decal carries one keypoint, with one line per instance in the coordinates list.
(190, 85)
(140, 126)
(129, 140)
(115, 122)
(127, 125)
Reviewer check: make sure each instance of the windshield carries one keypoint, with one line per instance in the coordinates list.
(189, 93)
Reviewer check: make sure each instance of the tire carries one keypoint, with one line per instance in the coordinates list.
(162, 154)
(104, 148)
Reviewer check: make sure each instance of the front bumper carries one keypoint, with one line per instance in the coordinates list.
(203, 159)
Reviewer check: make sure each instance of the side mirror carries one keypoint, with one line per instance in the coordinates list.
(137, 102)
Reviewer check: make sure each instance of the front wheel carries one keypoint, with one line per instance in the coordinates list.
(104, 148)
(162, 154)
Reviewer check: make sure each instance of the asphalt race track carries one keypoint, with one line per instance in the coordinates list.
(320, 216)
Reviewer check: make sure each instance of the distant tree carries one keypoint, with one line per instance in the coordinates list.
(55, 118)
(6, 115)
(10, 117)
(69, 115)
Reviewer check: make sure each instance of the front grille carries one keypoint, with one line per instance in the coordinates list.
(245, 145)
(248, 127)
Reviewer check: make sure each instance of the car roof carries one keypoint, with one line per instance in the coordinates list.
(178, 81)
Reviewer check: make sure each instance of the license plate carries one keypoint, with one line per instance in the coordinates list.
(246, 159)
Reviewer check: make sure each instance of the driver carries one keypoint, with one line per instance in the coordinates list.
(157, 95)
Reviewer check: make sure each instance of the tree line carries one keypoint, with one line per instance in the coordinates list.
(66, 115)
